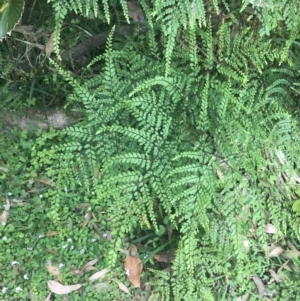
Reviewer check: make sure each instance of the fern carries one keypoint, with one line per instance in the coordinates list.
(194, 138)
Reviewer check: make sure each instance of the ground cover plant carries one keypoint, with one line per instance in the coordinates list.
(178, 178)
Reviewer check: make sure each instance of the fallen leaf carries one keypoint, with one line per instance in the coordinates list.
(53, 270)
(100, 274)
(260, 286)
(164, 257)
(3, 217)
(133, 267)
(46, 181)
(87, 218)
(275, 250)
(48, 298)
(89, 264)
(293, 248)
(49, 45)
(57, 288)
(51, 233)
(134, 10)
(275, 276)
(270, 229)
(124, 288)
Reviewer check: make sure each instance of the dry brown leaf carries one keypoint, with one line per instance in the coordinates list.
(275, 250)
(89, 268)
(133, 268)
(57, 288)
(164, 257)
(275, 276)
(51, 233)
(124, 288)
(134, 10)
(87, 218)
(46, 181)
(260, 286)
(53, 270)
(293, 248)
(270, 229)
(48, 298)
(100, 274)
(49, 45)
(76, 272)
(3, 217)
(89, 264)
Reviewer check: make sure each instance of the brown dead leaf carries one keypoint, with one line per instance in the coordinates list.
(3, 217)
(270, 229)
(46, 181)
(260, 286)
(53, 252)
(48, 298)
(133, 267)
(53, 270)
(49, 45)
(275, 276)
(294, 249)
(57, 288)
(51, 233)
(134, 10)
(124, 288)
(164, 257)
(89, 264)
(87, 218)
(100, 274)
(275, 250)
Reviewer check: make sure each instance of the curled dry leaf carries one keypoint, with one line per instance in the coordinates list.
(164, 257)
(133, 268)
(87, 218)
(260, 286)
(123, 288)
(275, 276)
(51, 233)
(46, 181)
(59, 289)
(53, 270)
(275, 250)
(48, 298)
(100, 274)
(134, 10)
(293, 248)
(89, 264)
(270, 229)
(3, 217)
(49, 46)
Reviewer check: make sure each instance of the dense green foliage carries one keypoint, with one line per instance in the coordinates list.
(188, 144)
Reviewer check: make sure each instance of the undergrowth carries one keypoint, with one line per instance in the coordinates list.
(187, 149)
